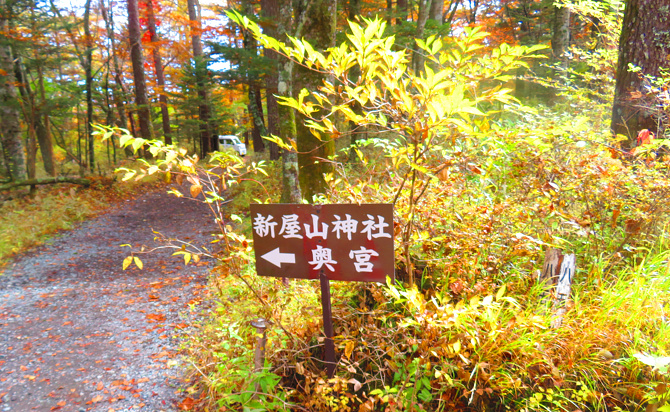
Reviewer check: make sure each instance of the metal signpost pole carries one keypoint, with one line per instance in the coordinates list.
(329, 344)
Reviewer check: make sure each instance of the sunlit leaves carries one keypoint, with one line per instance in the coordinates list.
(130, 260)
(195, 190)
(187, 255)
(126, 262)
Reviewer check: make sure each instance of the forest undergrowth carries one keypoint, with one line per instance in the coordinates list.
(482, 187)
(474, 332)
(27, 220)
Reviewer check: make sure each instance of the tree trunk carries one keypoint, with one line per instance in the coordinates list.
(258, 126)
(31, 152)
(141, 100)
(389, 12)
(353, 9)
(160, 75)
(206, 144)
(451, 12)
(88, 69)
(30, 115)
(644, 43)
(119, 92)
(436, 11)
(471, 15)
(287, 128)
(10, 128)
(401, 11)
(424, 11)
(320, 26)
(273, 117)
(560, 40)
(42, 126)
(255, 109)
(36, 126)
(270, 13)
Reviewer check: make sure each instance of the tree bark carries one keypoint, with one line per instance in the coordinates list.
(44, 134)
(560, 40)
(255, 105)
(320, 26)
(10, 128)
(471, 14)
(389, 12)
(259, 119)
(424, 11)
(353, 9)
(270, 13)
(88, 69)
(644, 43)
(206, 144)
(437, 11)
(255, 108)
(287, 124)
(42, 125)
(450, 13)
(401, 11)
(160, 75)
(35, 121)
(30, 116)
(119, 92)
(141, 100)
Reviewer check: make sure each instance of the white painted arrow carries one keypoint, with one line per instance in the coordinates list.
(277, 258)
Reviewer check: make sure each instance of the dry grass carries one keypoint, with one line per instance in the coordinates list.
(27, 221)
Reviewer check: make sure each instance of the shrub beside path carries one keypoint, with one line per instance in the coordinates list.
(78, 333)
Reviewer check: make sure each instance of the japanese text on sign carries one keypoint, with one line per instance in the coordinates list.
(264, 225)
(342, 240)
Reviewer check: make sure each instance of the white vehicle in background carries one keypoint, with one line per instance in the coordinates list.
(232, 142)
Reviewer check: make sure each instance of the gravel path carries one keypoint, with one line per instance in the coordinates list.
(77, 333)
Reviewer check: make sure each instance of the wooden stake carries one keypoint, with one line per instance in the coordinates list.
(329, 344)
(557, 274)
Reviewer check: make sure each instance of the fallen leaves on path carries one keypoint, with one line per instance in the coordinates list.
(82, 334)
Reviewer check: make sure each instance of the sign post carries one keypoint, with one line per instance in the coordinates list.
(325, 242)
(328, 344)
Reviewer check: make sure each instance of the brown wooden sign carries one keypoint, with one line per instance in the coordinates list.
(344, 242)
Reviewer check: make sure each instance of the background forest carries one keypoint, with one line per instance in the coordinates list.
(499, 129)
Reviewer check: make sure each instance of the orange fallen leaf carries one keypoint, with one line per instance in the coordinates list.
(187, 404)
(96, 399)
(156, 317)
(100, 386)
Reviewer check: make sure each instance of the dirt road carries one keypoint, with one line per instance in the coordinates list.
(77, 333)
